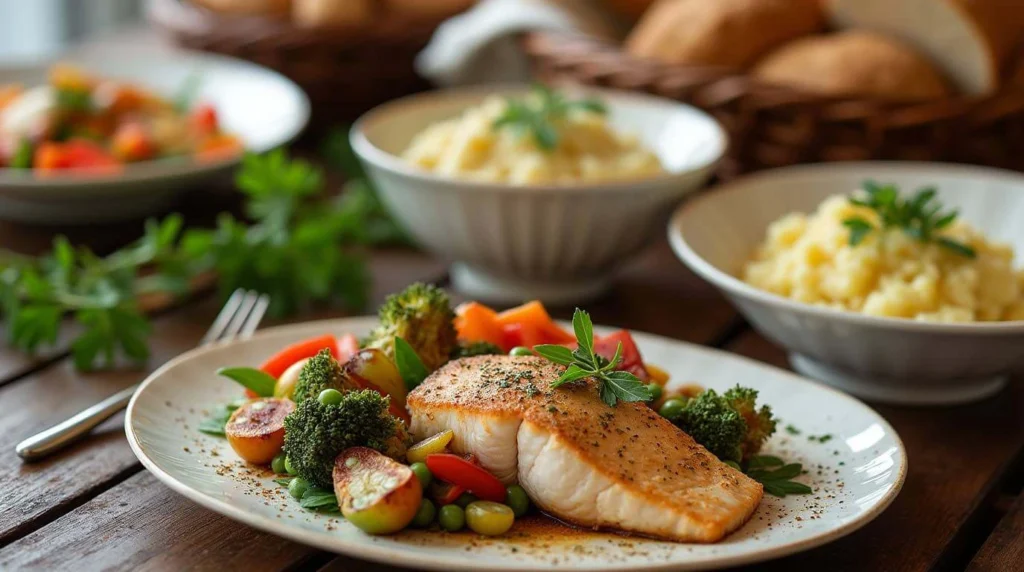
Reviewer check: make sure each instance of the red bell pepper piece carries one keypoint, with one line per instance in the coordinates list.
(466, 474)
(284, 359)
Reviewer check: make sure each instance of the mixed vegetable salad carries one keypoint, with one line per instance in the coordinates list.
(85, 123)
(328, 414)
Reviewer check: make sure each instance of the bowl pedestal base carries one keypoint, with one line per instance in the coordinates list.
(898, 392)
(481, 285)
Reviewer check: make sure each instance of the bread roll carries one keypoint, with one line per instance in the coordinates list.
(248, 7)
(630, 9)
(731, 33)
(854, 63)
(320, 13)
(970, 40)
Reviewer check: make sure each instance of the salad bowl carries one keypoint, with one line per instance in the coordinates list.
(556, 243)
(882, 359)
(260, 107)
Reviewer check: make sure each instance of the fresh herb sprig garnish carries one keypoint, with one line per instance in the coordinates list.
(777, 476)
(919, 217)
(537, 115)
(613, 385)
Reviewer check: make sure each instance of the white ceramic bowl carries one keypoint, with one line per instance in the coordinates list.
(262, 107)
(554, 243)
(882, 359)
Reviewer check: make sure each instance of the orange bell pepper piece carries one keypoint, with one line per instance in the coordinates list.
(475, 322)
(534, 315)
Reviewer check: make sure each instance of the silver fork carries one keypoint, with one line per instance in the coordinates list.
(238, 318)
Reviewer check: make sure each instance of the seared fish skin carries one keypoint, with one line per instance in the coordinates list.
(625, 467)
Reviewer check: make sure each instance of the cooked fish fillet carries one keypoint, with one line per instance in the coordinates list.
(625, 467)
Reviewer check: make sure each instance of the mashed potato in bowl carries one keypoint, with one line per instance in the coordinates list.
(809, 258)
(587, 149)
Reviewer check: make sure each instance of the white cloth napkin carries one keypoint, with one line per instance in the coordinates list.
(479, 46)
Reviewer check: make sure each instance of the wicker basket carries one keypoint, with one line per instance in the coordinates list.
(344, 71)
(772, 126)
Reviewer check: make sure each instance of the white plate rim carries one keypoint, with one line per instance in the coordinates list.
(384, 554)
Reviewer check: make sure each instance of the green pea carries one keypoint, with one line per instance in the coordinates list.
(517, 500)
(329, 397)
(425, 515)
(521, 351)
(277, 465)
(672, 408)
(422, 473)
(452, 518)
(464, 500)
(655, 390)
(288, 468)
(298, 487)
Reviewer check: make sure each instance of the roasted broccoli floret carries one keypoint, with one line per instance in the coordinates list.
(315, 434)
(421, 315)
(321, 372)
(728, 425)
(470, 349)
(760, 423)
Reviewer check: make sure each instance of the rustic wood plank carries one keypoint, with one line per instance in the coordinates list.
(957, 457)
(143, 525)
(33, 494)
(1004, 549)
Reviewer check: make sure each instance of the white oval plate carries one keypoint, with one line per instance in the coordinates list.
(263, 108)
(855, 475)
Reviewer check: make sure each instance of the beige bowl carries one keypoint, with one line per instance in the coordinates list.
(556, 243)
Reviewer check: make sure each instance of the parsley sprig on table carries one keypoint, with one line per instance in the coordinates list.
(613, 385)
(919, 216)
(298, 246)
(538, 114)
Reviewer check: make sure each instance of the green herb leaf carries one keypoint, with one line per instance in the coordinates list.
(775, 475)
(319, 499)
(558, 354)
(919, 217)
(410, 366)
(284, 481)
(259, 382)
(538, 113)
(613, 386)
(214, 425)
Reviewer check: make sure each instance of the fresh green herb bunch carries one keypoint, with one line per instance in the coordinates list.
(300, 248)
(919, 217)
(100, 293)
(539, 113)
(613, 385)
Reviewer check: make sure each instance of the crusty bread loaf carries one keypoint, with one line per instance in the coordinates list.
(854, 63)
(248, 7)
(327, 13)
(731, 33)
(970, 40)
